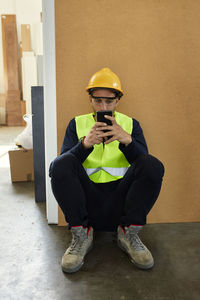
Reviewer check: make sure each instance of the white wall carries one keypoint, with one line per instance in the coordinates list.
(27, 12)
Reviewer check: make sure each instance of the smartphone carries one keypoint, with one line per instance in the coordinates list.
(101, 118)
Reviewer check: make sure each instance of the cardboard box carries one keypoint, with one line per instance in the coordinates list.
(21, 164)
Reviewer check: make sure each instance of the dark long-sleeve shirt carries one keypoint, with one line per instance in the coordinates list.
(137, 147)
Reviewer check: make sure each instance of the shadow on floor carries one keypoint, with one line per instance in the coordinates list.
(31, 251)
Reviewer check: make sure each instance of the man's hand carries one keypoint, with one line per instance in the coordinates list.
(116, 131)
(93, 138)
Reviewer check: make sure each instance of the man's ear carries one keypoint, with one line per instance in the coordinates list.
(117, 101)
(90, 98)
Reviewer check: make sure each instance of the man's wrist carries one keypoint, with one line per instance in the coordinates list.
(82, 141)
(85, 145)
(129, 142)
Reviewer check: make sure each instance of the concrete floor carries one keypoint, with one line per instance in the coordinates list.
(31, 250)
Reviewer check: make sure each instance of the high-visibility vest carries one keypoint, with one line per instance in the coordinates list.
(106, 162)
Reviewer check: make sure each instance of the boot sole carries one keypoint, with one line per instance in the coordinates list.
(144, 267)
(77, 268)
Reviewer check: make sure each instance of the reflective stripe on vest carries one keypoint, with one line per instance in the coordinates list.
(106, 162)
(111, 171)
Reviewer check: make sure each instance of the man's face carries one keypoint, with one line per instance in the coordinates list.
(103, 104)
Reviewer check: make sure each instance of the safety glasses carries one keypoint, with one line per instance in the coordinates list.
(107, 100)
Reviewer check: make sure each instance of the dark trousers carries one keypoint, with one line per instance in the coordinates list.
(104, 206)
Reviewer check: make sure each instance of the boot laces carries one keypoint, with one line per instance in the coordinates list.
(77, 243)
(135, 241)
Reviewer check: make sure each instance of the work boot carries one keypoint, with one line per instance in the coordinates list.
(81, 244)
(129, 241)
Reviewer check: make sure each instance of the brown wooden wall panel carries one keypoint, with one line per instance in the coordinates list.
(11, 70)
(154, 47)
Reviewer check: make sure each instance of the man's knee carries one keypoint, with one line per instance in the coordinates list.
(61, 164)
(150, 166)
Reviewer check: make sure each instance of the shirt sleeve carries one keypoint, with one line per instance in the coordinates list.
(71, 144)
(138, 145)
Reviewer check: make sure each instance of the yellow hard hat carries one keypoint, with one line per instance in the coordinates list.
(105, 78)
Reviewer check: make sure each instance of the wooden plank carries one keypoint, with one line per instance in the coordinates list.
(2, 109)
(20, 71)
(11, 71)
(25, 37)
(2, 100)
(23, 110)
(10, 52)
(13, 113)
